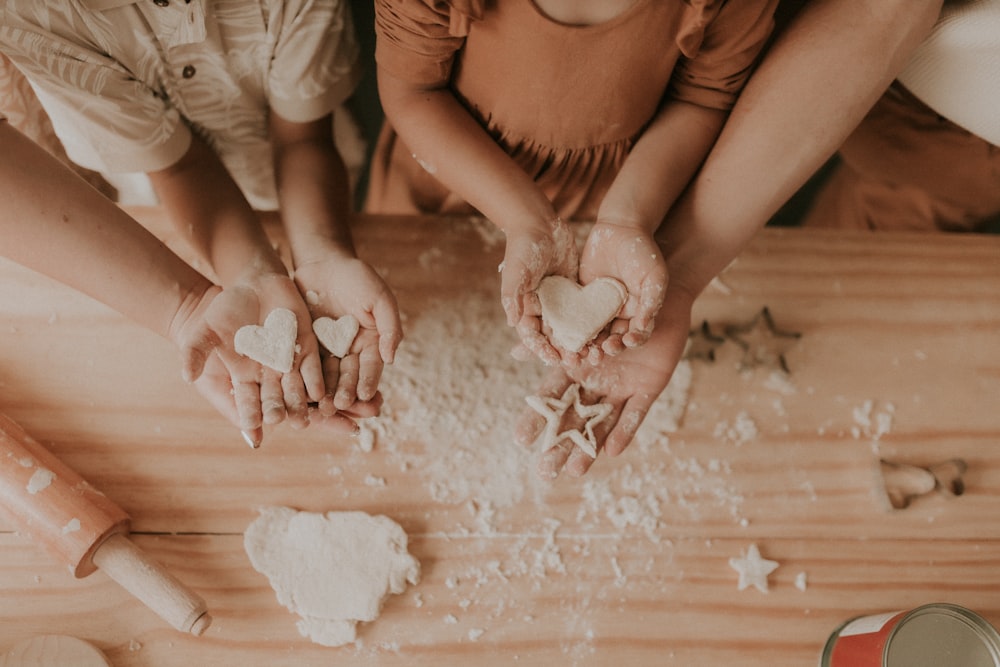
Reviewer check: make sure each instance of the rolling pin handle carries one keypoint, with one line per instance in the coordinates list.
(148, 581)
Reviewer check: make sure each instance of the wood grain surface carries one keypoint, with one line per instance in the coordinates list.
(899, 358)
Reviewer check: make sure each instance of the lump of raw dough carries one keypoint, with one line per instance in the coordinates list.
(578, 313)
(334, 569)
(273, 344)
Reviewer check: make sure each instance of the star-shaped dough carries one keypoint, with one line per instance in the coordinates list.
(763, 343)
(702, 343)
(554, 411)
(753, 569)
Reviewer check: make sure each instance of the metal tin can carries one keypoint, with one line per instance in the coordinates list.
(934, 635)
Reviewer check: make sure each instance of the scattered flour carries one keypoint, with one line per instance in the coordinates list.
(452, 399)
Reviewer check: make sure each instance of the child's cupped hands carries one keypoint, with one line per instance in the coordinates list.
(342, 286)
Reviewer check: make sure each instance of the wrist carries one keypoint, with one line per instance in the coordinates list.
(192, 300)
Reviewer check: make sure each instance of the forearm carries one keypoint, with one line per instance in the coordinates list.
(660, 165)
(211, 213)
(453, 147)
(313, 189)
(813, 87)
(55, 223)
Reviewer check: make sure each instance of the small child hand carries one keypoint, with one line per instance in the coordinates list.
(532, 254)
(341, 286)
(633, 257)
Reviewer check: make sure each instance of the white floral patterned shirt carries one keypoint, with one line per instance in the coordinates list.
(126, 82)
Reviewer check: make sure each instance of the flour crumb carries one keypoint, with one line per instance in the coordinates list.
(801, 581)
(475, 634)
(40, 480)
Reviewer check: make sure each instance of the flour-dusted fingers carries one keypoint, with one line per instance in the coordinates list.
(552, 461)
(530, 331)
(631, 417)
(530, 423)
(331, 376)
(365, 409)
(347, 385)
(313, 378)
(296, 400)
(272, 397)
(389, 327)
(337, 422)
(370, 372)
(579, 461)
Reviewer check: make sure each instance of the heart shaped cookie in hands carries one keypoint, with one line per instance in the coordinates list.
(336, 335)
(576, 313)
(272, 344)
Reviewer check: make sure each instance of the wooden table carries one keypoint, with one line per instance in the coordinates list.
(899, 358)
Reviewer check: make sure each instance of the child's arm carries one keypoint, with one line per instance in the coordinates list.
(812, 88)
(451, 145)
(314, 192)
(214, 217)
(621, 245)
(55, 223)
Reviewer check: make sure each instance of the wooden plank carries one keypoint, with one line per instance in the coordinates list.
(898, 358)
(488, 599)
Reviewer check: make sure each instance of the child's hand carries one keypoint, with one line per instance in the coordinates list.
(632, 256)
(531, 255)
(341, 286)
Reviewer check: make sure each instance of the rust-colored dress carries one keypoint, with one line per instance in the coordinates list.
(566, 102)
(907, 168)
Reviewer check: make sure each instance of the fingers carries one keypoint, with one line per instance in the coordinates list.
(389, 327)
(296, 401)
(193, 361)
(347, 383)
(311, 372)
(529, 329)
(530, 424)
(370, 371)
(632, 414)
(272, 398)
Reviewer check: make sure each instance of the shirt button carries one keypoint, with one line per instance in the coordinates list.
(188, 71)
(161, 3)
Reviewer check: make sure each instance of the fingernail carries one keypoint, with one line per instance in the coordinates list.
(250, 440)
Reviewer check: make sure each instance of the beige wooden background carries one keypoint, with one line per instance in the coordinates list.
(899, 326)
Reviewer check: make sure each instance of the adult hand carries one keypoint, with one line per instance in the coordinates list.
(630, 382)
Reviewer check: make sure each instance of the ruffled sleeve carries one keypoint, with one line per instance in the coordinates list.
(416, 40)
(719, 43)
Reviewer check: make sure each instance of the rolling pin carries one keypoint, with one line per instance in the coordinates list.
(80, 526)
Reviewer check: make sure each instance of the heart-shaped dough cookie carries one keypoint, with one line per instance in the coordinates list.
(578, 313)
(336, 334)
(273, 344)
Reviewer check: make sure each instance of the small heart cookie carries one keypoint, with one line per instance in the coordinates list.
(336, 334)
(578, 313)
(273, 344)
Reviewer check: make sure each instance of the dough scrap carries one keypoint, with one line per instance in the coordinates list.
(753, 569)
(273, 344)
(334, 570)
(336, 335)
(577, 313)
